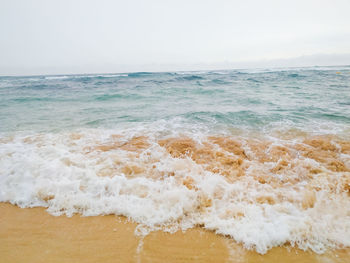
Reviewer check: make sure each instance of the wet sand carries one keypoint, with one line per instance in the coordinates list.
(33, 235)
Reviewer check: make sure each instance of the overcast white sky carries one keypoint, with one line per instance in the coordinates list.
(76, 36)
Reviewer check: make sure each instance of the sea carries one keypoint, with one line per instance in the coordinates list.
(261, 156)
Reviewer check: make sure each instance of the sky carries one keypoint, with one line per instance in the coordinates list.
(74, 36)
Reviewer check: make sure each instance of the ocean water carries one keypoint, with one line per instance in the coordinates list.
(261, 156)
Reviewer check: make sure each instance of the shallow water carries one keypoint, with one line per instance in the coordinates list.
(261, 156)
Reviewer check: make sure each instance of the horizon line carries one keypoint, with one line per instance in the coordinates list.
(173, 71)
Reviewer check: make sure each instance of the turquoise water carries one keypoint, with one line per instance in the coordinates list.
(256, 99)
(260, 156)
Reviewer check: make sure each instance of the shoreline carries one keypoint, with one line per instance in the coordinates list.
(33, 235)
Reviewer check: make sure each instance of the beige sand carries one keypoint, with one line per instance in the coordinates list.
(32, 235)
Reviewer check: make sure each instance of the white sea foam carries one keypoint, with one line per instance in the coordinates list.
(67, 174)
(56, 77)
(85, 76)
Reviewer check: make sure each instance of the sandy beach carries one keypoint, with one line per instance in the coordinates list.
(175, 131)
(33, 235)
